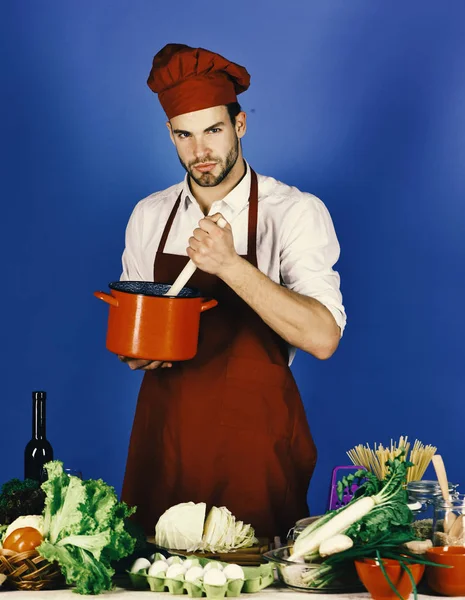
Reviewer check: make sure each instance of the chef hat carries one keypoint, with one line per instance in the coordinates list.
(188, 79)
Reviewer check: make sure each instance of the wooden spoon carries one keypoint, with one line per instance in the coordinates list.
(440, 469)
(188, 270)
(457, 528)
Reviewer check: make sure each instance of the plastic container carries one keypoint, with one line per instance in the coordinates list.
(347, 493)
(447, 581)
(255, 579)
(372, 577)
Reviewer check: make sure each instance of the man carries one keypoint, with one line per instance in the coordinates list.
(228, 427)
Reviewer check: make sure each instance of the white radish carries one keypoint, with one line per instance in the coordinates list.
(335, 544)
(354, 511)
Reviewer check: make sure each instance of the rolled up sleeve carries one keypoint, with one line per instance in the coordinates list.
(309, 251)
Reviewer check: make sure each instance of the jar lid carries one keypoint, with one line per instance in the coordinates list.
(426, 486)
(302, 523)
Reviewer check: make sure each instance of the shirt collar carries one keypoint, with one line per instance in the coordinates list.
(237, 198)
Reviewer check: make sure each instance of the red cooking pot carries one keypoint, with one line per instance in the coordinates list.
(143, 323)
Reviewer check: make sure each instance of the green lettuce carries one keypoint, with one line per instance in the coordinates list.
(84, 529)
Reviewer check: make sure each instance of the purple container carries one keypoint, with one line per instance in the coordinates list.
(347, 496)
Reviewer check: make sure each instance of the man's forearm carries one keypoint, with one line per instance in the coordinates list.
(301, 321)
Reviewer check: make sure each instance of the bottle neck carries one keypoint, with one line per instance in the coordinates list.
(38, 417)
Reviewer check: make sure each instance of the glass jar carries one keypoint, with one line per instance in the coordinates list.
(422, 496)
(449, 522)
(300, 525)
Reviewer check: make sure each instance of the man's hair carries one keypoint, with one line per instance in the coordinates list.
(234, 108)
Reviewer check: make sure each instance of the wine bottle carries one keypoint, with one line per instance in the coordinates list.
(38, 450)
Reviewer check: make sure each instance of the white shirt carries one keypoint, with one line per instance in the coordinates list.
(296, 242)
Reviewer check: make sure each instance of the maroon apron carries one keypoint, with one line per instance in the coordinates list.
(228, 427)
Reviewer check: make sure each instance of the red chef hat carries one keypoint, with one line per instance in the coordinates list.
(188, 79)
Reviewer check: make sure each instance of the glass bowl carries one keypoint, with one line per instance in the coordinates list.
(294, 574)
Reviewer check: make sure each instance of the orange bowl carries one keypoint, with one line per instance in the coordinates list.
(447, 582)
(372, 577)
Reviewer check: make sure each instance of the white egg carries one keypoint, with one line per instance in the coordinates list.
(213, 565)
(175, 571)
(214, 577)
(157, 556)
(191, 562)
(158, 567)
(140, 564)
(174, 560)
(193, 574)
(234, 572)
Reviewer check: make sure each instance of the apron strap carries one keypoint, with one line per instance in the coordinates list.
(167, 229)
(252, 223)
(253, 220)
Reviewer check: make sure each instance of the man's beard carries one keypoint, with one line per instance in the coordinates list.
(208, 179)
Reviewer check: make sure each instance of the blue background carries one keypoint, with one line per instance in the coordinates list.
(360, 102)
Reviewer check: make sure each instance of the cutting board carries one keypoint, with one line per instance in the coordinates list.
(246, 557)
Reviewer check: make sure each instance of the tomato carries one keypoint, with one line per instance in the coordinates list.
(23, 539)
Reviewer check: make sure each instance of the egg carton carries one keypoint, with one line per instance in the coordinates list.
(256, 579)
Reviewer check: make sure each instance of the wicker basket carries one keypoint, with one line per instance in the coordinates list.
(29, 570)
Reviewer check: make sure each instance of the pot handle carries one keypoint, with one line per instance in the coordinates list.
(208, 303)
(106, 298)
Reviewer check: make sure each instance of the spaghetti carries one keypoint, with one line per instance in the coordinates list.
(374, 460)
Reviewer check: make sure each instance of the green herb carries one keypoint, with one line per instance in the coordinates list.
(84, 529)
(388, 579)
(423, 528)
(19, 498)
(347, 481)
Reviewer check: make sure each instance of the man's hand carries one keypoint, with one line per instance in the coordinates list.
(140, 364)
(211, 247)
